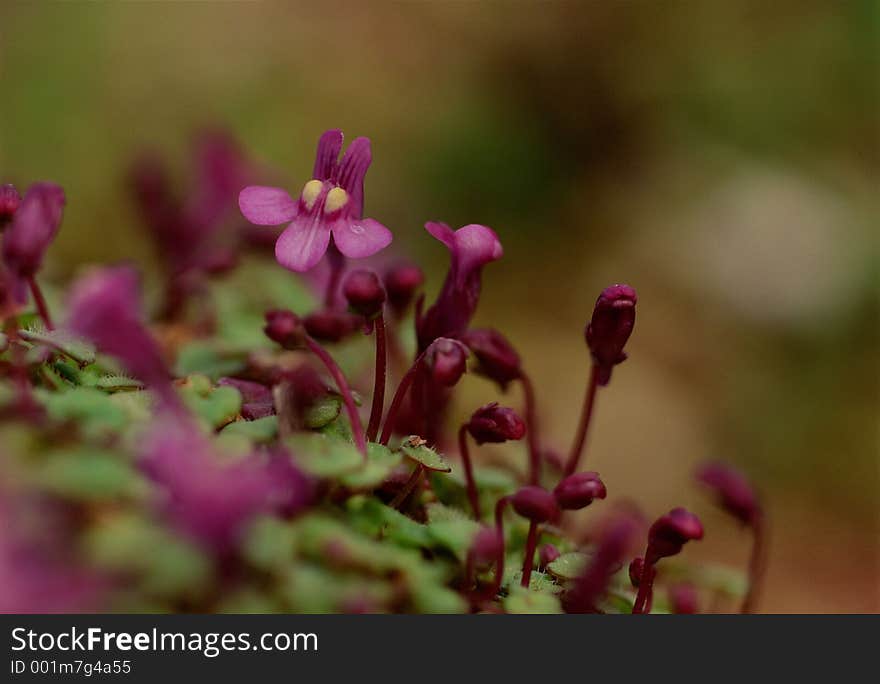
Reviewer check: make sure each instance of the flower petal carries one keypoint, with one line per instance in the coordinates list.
(352, 170)
(359, 238)
(442, 232)
(327, 158)
(266, 206)
(302, 244)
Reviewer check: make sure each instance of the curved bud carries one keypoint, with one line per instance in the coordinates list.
(734, 492)
(364, 293)
(495, 424)
(285, 328)
(578, 491)
(610, 327)
(446, 360)
(497, 358)
(401, 283)
(535, 504)
(671, 532)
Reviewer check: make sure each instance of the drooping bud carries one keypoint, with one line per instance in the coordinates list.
(547, 554)
(495, 424)
(446, 360)
(285, 328)
(578, 491)
(33, 228)
(671, 532)
(636, 568)
(683, 599)
(535, 504)
(734, 492)
(610, 327)
(497, 358)
(9, 201)
(401, 283)
(486, 546)
(330, 326)
(364, 293)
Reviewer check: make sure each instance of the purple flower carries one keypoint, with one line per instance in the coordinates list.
(471, 247)
(610, 327)
(670, 533)
(104, 307)
(9, 201)
(495, 424)
(535, 504)
(331, 202)
(33, 228)
(578, 491)
(735, 493)
(497, 358)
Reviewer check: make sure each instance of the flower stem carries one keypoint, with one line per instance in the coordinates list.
(469, 472)
(756, 563)
(529, 560)
(586, 415)
(342, 385)
(378, 404)
(499, 528)
(532, 431)
(408, 487)
(399, 396)
(40, 301)
(646, 585)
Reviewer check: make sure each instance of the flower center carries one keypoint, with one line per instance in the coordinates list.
(336, 199)
(310, 193)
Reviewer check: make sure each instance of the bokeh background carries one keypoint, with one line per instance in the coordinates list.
(722, 157)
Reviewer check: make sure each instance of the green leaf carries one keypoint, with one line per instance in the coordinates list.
(259, 431)
(381, 461)
(415, 448)
(270, 544)
(324, 456)
(118, 383)
(92, 410)
(526, 601)
(375, 518)
(569, 565)
(217, 406)
(62, 342)
(322, 412)
(92, 476)
(205, 358)
(431, 598)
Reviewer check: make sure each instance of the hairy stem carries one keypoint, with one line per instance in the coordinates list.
(357, 428)
(532, 431)
(580, 439)
(378, 404)
(399, 396)
(529, 560)
(40, 302)
(473, 497)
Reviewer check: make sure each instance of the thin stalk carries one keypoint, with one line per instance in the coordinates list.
(532, 431)
(469, 472)
(529, 560)
(646, 585)
(357, 428)
(408, 487)
(586, 415)
(499, 528)
(756, 563)
(378, 405)
(399, 396)
(40, 301)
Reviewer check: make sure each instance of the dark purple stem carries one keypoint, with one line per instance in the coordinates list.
(408, 487)
(586, 415)
(529, 560)
(378, 379)
(469, 472)
(646, 585)
(40, 301)
(756, 563)
(499, 529)
(399, 396)
(532, 430)
(342, 384)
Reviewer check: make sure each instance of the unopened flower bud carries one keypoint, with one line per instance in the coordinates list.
(446, 360)
(486, 546)
(578, 490)
(683, 599)
(497, 358)
(401, 283)
(672, 531)
(636, 569)
(547, 554)
(33, 228)
(364, 293)
(285, 328)
(330, 326)
(495, 424)
(610, 327)
(535, 503)
(9, 201)
(734, 492)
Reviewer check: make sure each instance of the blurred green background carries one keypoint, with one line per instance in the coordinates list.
(721, 157)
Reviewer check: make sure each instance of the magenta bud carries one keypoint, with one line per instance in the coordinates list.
(495, 424)
(683, 599)
(331, 326)
(547, 554)
(9, 201)
(497, 358)
(285, 328)
(486, 546)
(36, 222)
(672, 531)
(578, 490)
(446, 360)
(364, 293)
(610, 327)
(535, 503)
(636, 568)
(734, 492)
(401, 283)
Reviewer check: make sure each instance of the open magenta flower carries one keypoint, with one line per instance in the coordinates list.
(331, 202)
(33, 228)
(471, 247)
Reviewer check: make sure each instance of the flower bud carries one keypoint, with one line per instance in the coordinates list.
(547, 554)
(285, 328)
(33, 228)
(401, 283)
(683, 599)
(670, 532)
(364, 293)
(610, 327)
(535, 503)
(578, 490)
(9, 201)
(446, 360)
(330, 326)
(636, 569)
(497, 358)
(486, 546)
(734, 492)
(495, 424)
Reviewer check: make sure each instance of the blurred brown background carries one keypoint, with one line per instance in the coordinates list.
(721, 157)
